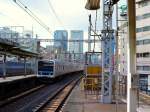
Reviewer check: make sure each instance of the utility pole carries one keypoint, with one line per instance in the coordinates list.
(108, 50)
(89, 34)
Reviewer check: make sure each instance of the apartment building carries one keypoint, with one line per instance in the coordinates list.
(143, 41)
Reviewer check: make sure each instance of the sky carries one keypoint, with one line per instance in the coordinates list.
(71, 15)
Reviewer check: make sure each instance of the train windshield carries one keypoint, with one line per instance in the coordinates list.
(45, 65)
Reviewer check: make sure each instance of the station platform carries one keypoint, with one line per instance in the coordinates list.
(78, 101)
(15, 78)
(14, 85)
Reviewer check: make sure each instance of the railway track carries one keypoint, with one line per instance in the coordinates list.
(14, 98)
(55, 103)
(39, 99)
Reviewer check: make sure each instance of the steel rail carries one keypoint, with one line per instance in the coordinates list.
(61, 94)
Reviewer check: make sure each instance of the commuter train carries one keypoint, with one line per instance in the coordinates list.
(15, 68)
(55, 68)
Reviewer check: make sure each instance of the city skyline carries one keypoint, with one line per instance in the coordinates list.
(78, 46)
(61, 46)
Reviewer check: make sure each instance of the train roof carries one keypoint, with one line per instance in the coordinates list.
(58, 61)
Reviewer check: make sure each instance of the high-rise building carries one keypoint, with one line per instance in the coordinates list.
(142, 42)
(143, 39)
(60, 40)
(76, 47)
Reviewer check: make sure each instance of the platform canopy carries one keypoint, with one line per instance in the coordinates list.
(13, 48)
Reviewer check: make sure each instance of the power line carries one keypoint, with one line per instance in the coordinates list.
(35, 17)
(95, 29)
(54, 12)
(30, 13)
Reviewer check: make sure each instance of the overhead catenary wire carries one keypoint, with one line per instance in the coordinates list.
(35, 17)
(31, 14)
(54, 12)
(95, 29)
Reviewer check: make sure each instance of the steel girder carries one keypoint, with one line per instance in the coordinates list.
(108, 52)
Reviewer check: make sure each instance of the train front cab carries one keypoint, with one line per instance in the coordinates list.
(45, 69)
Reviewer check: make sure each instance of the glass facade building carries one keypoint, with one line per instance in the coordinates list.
(76, 47)
(61, 40)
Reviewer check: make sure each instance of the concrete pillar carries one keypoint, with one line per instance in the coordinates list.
(36, 66)
(4, 66)
(131, 59)
(148, 82)
(25, 67)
